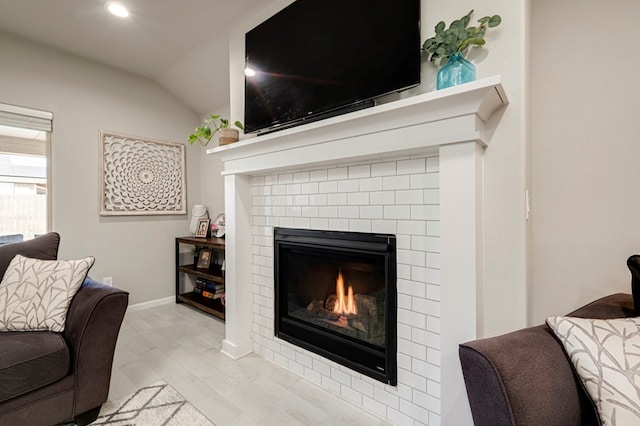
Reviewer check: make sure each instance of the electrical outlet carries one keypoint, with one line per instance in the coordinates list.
(108, 281)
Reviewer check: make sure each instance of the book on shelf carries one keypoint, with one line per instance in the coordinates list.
(200, 289)
(208, 290)
(207, 294)
(209, 285)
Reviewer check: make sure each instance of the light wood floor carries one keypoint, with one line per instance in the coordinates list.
(181, 346)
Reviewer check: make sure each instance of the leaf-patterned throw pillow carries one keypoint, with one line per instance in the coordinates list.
(35, 294)
(606, 356)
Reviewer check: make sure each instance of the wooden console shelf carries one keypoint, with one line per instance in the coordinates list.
(213, 274)
(213, 307)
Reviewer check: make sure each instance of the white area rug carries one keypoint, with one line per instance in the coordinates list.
(155, 405)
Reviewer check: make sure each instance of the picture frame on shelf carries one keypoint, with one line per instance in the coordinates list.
(204, 259)
(202, 230)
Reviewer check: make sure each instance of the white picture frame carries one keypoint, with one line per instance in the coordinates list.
(140, 176)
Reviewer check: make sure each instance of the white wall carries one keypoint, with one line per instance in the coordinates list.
(505, 291)
(211, 181)
(84, 98)
(585, 147)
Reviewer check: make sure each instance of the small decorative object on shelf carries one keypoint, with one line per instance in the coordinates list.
(451, 43)
(203, 228)
(199, 211)
(204, 134)
(456, 71)
(218, 226)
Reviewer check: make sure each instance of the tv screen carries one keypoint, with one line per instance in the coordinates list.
(318, 58)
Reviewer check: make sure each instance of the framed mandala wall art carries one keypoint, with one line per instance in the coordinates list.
(141, 176)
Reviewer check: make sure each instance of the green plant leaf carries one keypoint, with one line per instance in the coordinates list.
(239, 125)
(467, 18)
(458, 36)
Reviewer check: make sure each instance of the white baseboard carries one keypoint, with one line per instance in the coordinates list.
(151, 304)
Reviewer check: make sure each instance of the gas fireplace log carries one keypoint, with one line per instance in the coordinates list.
(316, 305)
(330, 303)
(327, 314)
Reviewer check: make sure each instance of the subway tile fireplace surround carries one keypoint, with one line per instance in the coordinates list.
(412, 168)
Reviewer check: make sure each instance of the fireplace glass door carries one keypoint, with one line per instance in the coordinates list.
(336, 296)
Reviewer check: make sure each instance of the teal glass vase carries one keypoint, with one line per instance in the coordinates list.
(456, 71)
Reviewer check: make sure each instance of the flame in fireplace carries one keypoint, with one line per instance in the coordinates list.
(345, 304)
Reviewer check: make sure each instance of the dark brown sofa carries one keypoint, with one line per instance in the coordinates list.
(48, 378)
(525, 377)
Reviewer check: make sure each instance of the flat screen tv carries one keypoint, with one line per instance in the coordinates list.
(318, 58)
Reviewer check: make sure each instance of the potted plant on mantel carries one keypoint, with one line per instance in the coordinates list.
(451, 43)
(204, 134)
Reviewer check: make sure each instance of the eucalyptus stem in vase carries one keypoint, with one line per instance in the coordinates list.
(451, 43)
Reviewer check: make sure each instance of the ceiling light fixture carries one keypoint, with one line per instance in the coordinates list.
(118, 10)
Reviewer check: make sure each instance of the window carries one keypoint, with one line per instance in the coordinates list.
(24, 181)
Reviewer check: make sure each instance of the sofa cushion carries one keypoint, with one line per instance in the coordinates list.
(606, 357)
(35, 294)
(42, 247)
(618, 305)
(30, 361)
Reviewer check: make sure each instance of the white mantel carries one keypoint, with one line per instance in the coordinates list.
(449, 122)
(432, 119)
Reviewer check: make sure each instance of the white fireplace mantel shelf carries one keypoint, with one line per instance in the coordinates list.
(433, 119)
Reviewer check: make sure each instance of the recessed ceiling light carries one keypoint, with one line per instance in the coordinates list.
(118, 10)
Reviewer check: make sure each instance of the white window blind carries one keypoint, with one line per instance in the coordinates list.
(27, 118)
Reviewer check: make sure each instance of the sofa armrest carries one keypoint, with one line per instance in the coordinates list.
(522, 378)
(525, 377)
(92, 326)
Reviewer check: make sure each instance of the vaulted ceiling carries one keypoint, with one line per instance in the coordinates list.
(180, 44)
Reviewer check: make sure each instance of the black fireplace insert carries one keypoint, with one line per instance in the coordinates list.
(335, 295)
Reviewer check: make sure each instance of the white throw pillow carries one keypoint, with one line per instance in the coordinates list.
(606, 356)
(35, 294)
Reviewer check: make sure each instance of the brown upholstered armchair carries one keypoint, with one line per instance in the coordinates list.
(48, 378)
